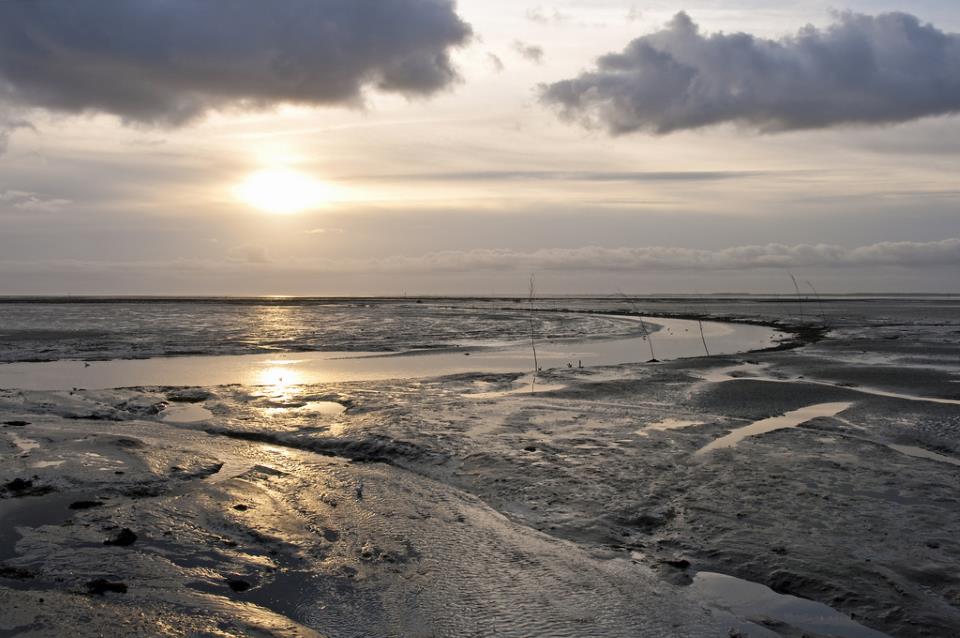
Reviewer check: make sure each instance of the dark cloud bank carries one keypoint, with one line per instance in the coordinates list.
(165, 63)
(860, 70)
(905, 255)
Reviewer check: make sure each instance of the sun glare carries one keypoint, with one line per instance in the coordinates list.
(283, 191)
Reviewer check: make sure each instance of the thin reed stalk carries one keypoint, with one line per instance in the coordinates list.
(702, 337)
(533, 340)
(823, 315)
(799, 296)
(643, 327)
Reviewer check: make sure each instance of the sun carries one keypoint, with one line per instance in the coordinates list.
(283, 191)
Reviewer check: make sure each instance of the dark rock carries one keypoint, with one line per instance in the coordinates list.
(17, 424)
(101, 586)
(125, 538)
(241, 507)
(238, 585)
(85, 505)
(530, 448)
(677, 563)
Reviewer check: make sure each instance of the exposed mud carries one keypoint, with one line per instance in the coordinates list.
(457, 506)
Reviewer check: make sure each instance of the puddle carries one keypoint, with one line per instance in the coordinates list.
(720, 375)
(920, 453)
(678, 338)
(788, 420)
(191, 413)
(309, 408)
(753, 602)
(667, 424)
(31, 511)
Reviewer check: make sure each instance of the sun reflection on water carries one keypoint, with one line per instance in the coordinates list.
(281, 377)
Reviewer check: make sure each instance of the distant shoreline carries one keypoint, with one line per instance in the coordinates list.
(281, 299)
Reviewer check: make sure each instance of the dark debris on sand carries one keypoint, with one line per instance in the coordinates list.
(238, 585)
(20, 487)
(85, 505)
(101, 586)
(14, 573)
(125, 538)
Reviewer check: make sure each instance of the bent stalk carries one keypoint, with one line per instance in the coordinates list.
(799, 296)
(643, 327)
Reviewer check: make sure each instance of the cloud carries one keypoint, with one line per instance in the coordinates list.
(585, 176)
(495, 62)
(530, 52)
(547, 16)
(28, 201)
(167, 63)
(248, 254)
(860, 70)
(248, 262)
(595, 258)
(10, 121)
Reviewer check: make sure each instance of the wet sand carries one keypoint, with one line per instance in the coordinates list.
(451, 506)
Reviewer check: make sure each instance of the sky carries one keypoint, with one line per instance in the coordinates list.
(389, 147)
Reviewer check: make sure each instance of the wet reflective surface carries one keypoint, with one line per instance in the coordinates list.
(676, 339)
(920, 453)
(186, 414)
(788, 420)
(754, 601)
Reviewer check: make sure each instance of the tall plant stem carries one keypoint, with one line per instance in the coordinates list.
(823, 315)
(643, 327)
(533, 341)
(799, 296)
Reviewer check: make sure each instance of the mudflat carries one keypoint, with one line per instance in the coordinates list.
(811, 487)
